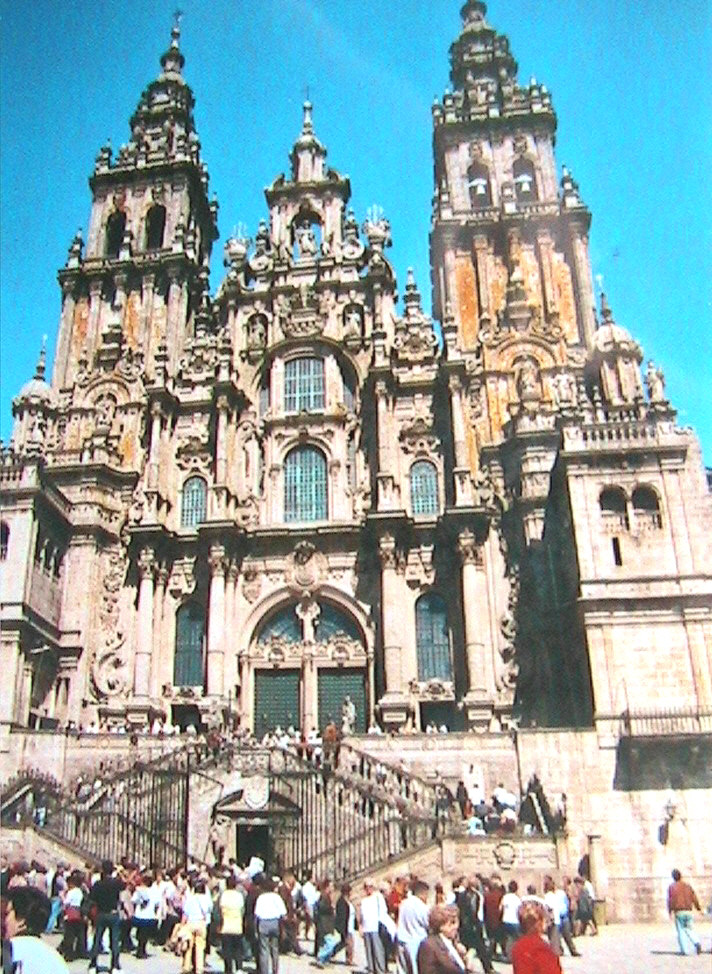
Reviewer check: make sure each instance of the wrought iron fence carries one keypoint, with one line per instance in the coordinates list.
(657, 723)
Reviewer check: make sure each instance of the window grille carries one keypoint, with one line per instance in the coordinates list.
(283, 624)
(194, 504)
(424, 488)
(431, 637)
(304, 385)
(332, 622)
(305, 488)
(190, 633)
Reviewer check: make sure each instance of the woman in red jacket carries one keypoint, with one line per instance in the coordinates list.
(531, 954)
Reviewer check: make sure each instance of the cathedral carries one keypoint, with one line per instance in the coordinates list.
(249, 505)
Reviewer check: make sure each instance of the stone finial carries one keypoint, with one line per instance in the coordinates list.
(606, 313)
(411, 299)
(42, 361)
(307, 124)
(74, 256)
(172, 61)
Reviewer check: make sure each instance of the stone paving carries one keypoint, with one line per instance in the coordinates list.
(618, 949)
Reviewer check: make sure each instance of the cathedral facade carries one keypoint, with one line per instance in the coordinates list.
(256, 503)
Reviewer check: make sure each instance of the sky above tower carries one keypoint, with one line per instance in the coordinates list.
(631, 85)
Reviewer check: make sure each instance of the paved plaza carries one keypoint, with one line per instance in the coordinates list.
(619, 949)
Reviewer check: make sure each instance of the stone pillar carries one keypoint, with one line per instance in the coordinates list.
(545, 246)
(481, 253)
(216, 621)
(144, 627)
(310, 691)
(11, 662)
(221, 442)
(461, 473)
(231, 674)
(149, 281)
(583, 283)
(478, 651)
(597, 865)
(385, 478)
(96, 286)
(394, 703)
(155, 447)
(66, 329)
(158, 643)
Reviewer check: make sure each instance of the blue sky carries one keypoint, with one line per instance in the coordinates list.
(631, 83)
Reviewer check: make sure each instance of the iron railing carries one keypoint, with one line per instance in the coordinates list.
(657, 723)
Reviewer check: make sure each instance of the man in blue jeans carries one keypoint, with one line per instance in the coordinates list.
(105, 894)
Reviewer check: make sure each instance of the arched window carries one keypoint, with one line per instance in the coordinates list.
(304, 385)
(115, 226)
(424, 488)
(524, 179)
(194, 504)
(431, 638)
(333, 622)
(613, 507)
(479, 186)
(305, 489)
(155, 227)
(4, 539)
(646, 507)
(190, 635)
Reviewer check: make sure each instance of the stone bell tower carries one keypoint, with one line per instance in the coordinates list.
(132, 290)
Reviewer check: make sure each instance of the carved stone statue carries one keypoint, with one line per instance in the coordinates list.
(528, 382)
(305, 239)
(348, 716)
(655, 381)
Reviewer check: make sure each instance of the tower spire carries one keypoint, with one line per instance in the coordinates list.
(172, 61)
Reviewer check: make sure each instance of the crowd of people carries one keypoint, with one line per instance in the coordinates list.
(248, 916)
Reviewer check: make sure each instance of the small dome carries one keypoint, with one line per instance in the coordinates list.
(37, 389)
(610, 337)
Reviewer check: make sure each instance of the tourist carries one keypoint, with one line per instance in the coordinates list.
(231, 907)
(146, 902)
(74, 941)
(25, 917)
(326, 940)
(57, 889)
(531, 954)
(558, 903)
(493, 893)
(509, 916)
(289, 932)
(439, 953)
(412, 926)
(583, 917)
(373, 913)
(104, 894)
(197, 910)
(681, 901)
(470, 905)
(345, 923)
(269, 910)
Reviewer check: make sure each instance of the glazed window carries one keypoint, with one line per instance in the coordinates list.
(194, 503)
(431, 636)
(305, 486)
(304, 385)
(190, 635)
(424, 488)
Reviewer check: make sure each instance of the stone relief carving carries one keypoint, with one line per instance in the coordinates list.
(417, 437)
(182, 581)
(109, 669)
(305, 568)
(192, 449)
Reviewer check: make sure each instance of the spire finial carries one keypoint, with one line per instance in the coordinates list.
(606, 312)
(172, 61)
(307, 124)
(42, 360)
(175, 31)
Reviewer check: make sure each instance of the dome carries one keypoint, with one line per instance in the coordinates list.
(612, 338)
(37, 390)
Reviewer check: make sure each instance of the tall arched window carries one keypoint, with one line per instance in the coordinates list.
(194, 503)
(431, 638)
(190, 635)
(524, 179)
(304, 385)
(479, 185)
(115, 226)
(305, 487)
(424, 488)
(4, 539)
(155, 227)
(646, 507)
(614, 507)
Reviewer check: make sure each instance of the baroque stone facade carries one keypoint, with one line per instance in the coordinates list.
(261, 502)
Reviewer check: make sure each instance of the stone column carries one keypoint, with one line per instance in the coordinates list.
(144, 627)
(394, 703)
(597, 865)
(221, 442)
(583, 283)
(149, 281)
(310, 691)
(155, 447)
(478, 651)
(216, 621)
(158, 643)
(66, 329)
(481, 253)
(545, 246)
(461, 473)
(386, 484)
(11, 662)
(96, 286)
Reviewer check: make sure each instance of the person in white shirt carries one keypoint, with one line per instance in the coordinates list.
(509, 913)
(373, 913)
(558, 903)
(146, 902)
(310, 895)
(197, 910)
(269, 910)
(412, 927)
(27, 911)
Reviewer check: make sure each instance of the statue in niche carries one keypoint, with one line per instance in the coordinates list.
(308, 612)
(564, 386)
(353, 321)
(305, 239)
(105, 412)
(256, 331)
(348, 716)
(528, 385)
(655, 381)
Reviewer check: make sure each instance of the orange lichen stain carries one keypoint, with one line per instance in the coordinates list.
(498, 284)
(127, 448)
(472, 446)
(565, 296)
(132, 319)
(80, 326)
(532, 277)
(467, 300)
